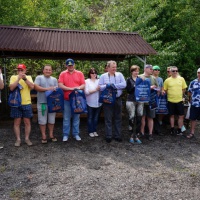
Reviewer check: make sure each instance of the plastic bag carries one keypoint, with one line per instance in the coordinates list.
(78, 102)
(14, 99)
(162, 105)
(187, 116)
(153, 103)
(55, 100)
(108, 96)
(142, 90)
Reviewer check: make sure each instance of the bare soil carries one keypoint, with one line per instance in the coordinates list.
(165, 168)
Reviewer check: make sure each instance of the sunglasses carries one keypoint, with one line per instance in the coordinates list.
(156, 70)
(93, 73)
(174, 70)
(20, 70)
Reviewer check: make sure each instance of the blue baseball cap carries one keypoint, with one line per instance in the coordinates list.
(69, 62)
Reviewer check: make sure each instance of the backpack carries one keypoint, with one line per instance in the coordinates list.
(55, 100)
(78, 102)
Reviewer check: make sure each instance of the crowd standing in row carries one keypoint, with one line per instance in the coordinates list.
(139, 113)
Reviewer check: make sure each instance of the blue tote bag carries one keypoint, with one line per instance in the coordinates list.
(142, 90)
(78, 102)
(108, 95)
(162, 105)
(14, 99)
(55, 100)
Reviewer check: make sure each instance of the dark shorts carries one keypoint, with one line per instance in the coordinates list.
(194, 113)
(24, 111)
(151, 113)
(176, 108)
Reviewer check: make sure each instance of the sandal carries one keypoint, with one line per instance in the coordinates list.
(190, 136)
(44, 141)
(53, 139)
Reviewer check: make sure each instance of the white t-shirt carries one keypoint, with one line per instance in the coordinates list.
(92, 99)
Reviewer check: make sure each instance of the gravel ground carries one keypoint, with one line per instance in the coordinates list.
(166, 168)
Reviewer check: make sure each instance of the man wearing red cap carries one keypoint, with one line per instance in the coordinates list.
(69, 80)
(25, 110)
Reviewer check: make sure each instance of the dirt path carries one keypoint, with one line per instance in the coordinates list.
(166, 168)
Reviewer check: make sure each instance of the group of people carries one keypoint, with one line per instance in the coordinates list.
(139, 113)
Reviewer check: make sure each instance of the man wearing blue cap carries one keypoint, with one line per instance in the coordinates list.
(69, 80)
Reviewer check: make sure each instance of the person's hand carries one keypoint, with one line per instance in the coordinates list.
(153, 86)
(24, 76)
(108, 85)
(19, 76)
(98, 88)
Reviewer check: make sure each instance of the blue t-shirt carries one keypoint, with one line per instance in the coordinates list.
(194, 89)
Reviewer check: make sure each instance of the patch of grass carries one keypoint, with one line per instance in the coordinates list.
(2, 168)
(16, 194)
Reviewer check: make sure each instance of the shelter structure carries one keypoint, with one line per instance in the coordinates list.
(49, 43)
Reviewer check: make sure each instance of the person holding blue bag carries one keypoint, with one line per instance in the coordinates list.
(70, 80)
(113, 81)
(148, 112)
(25, 109)
(44, 83)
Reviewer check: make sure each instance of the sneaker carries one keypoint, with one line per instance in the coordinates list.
(131, 140)
(77, 137)
(91, 134)
(179, 133)
(28, 142)
(118, 139)
(108, 140)
(172, 132)
(17, 143)
(65, 138)
(1, 146)
(95, 134)
(138, 141)
(149, 137)
(141, 135)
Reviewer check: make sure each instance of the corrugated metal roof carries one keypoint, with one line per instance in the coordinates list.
(33, 42)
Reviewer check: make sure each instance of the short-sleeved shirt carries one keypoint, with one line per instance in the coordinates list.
(160, 82)
(68, 79)
(150, 78)
(44, 82)
(92, 99)
(194, 89)
(174, 88)
(25, 91)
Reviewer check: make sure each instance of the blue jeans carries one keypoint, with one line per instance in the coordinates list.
(92, 118)
(67, 115)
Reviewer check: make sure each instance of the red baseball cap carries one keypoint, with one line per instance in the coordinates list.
(21, 66)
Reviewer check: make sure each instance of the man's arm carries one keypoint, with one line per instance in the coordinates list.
(42, 89)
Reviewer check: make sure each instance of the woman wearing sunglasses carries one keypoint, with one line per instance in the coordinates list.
(92, 96)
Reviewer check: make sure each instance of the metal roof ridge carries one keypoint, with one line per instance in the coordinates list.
(67, 30)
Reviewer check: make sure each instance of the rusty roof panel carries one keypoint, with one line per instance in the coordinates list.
(46, 40)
